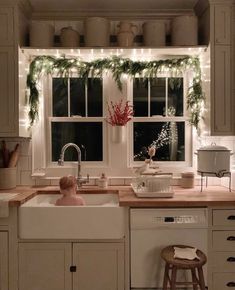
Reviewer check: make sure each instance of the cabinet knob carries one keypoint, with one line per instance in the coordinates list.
(73, 268)
(230, 284)
(231, 259)
(231, 217)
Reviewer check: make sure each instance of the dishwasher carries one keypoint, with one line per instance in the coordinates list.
(153, 229)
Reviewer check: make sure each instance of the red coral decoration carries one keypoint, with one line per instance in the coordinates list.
(119, 116)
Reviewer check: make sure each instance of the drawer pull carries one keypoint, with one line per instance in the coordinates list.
(231, 238)
(231, 218)
(231, 259)
(73, 268)
(231, 284)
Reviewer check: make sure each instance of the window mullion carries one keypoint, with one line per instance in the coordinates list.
(166, 112)
(149, 95)
(86, 99)
(69, 112)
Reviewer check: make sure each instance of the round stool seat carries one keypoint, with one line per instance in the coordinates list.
(167, 254)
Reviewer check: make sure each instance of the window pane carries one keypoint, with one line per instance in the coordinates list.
(77, 97)
(145, 133)
(157, 96)
(140, 97)
(175, 96)
(87, 135)
(95, 97)
(60, 97)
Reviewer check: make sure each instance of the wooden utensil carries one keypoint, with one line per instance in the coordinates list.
(5, 154)
(14, 156)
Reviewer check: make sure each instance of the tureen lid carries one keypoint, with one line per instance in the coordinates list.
(213, 147)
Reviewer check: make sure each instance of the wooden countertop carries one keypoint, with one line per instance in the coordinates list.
(211, 196)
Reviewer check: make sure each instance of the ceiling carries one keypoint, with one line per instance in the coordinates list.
(110, 5)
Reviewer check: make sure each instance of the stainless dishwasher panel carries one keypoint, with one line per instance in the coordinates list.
(154, 229)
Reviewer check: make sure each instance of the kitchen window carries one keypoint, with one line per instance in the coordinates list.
(77, 117)
(159, 110)
(75, 111)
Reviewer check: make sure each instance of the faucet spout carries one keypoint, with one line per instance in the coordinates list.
(61, 161)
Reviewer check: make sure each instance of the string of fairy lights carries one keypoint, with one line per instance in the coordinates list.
(117, 66)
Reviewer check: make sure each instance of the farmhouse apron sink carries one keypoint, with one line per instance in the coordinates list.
(100, 218)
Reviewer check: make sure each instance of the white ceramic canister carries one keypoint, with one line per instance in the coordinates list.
(184, 30)
(69, 37)
(97, 32)
(187, 180)
(41, 34)
(126, 34)
(7, 178)
(154, 33)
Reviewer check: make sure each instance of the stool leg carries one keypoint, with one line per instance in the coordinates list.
(194, 279)
(166, 275)
(201, 278)
(173, 277)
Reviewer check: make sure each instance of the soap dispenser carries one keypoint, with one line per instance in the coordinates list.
(103, 181)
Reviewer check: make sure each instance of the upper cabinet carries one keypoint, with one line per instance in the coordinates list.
(7, 91)
(222, 20)
(12, 98)
(6, 26)
(222, 63)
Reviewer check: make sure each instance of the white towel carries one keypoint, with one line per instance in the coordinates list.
(4, 199)
(185, 253)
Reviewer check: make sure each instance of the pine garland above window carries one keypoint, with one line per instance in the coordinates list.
(117, 66)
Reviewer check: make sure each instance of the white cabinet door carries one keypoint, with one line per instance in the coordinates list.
(221, 91)
(4, 260)
(100, 266)
(6, 26)
(45, 266)
(222, 24)
(8, 113)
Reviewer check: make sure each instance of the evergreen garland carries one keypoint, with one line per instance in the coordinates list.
(117, 66)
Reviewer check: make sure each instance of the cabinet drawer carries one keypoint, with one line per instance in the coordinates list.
(224, 217)
(223, 240)
(223, 261)
(223, 281)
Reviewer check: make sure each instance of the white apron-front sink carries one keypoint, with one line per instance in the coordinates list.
(100, 218)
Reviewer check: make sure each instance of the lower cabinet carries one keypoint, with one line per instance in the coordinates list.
(4, 260)
(71, 266)
(222, 249)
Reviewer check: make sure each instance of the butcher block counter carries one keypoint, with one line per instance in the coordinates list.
(211, 196)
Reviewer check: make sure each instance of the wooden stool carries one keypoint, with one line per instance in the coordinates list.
(174, 264)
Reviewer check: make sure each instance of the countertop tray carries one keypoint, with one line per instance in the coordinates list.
(141, 192)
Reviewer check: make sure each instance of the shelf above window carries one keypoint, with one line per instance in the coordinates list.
(134, 53)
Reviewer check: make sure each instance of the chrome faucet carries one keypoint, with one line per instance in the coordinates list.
(80, 180)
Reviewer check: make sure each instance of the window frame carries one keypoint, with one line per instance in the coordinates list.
(188, 130)
(117, 158)
(48, 93)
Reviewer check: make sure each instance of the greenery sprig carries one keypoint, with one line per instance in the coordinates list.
(118, 66)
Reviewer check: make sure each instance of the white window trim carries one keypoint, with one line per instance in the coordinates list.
(112, 153)
(188, 130)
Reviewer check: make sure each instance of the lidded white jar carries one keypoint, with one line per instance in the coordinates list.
(41, 34)
(184, 30)
(187, 180)
(154, 33)
(97, 31)
(69, 37)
